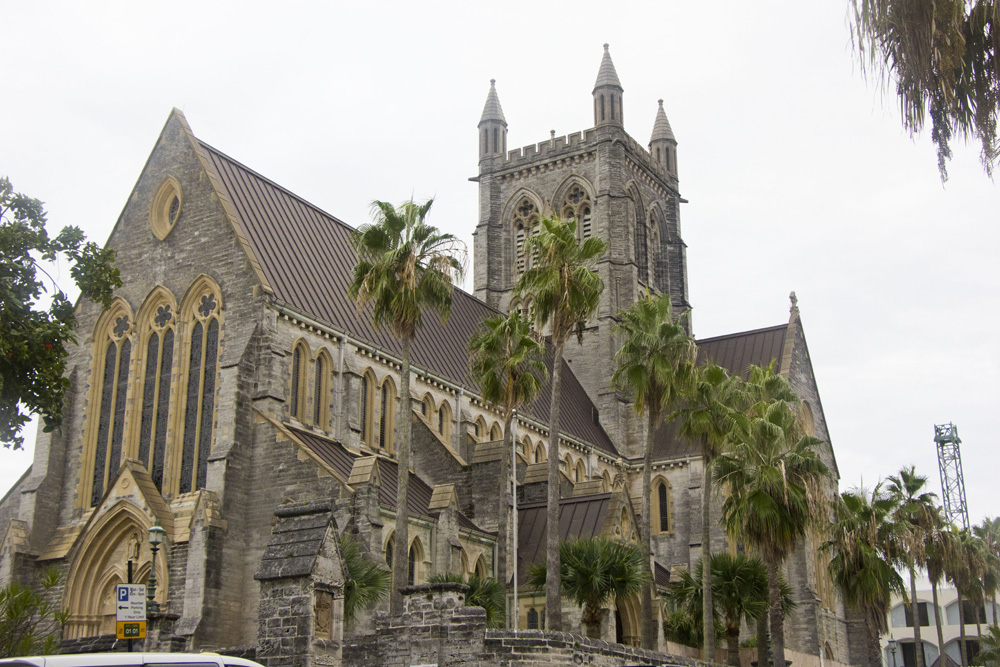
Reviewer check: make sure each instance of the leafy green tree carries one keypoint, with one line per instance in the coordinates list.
(485, 592)
(740, 594)
(505, 360)
(564, 291)
(33, 337)
(595, 572)
(944, 56)
(989, 647)
(914, 512)
(774, 477)
(29, 625)
(865, 546)
(706, 417)
(655, 360)
(405, 267)
(367, 580)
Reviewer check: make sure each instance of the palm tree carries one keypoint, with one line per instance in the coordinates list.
(914, 513)
(505, 360)
(965, 569)
(367, 581)
(939, 549)
(564, 293)
(405, 266)
(485, 592)
(989, 649)
(740, 594)
(989, 533)
(653, 363)
(594, 572)
(773, 476)
(706, 416)
(865, 546)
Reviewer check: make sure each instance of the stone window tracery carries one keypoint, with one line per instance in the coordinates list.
(199, 412)
(112, 390)
(578, 206)
(156, 376)
(526, 223)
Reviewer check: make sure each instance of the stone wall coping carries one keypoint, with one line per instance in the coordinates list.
(441, 587)
(299, 509)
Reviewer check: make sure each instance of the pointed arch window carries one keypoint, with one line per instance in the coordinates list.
(641, 248)
(199, 412)
(112, 388)
(496, 433)
(662, 507)
(578, 205)
(366, 408)
(299, 382)
(416, 557)
(156, 377)
(321, 392)
(525, 222)
(540, 454)
(444, 420)
(532, 619)
(387, 415)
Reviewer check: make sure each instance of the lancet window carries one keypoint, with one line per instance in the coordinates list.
(199, 411)
(577, 205)
(526, 224)
(321, 391)
(156, 375)
(366, 407)
(112, 389)
(387, 415)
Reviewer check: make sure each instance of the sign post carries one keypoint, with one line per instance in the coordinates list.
(130, 605)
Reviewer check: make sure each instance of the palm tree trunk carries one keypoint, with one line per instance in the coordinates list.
(401, 544)
(918, 643)
(777, 613)
(648, 631)
(961, 630)
(733, 646)
(503, 521)
(937, 621)
(874, 647)
(707, 607)
(762, 641)
(553, 599)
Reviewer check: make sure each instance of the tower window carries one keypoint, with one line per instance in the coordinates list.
(602, 107)
(525, 223)
(577, 205)
(486, 141)
(496, 140)
(612, 107)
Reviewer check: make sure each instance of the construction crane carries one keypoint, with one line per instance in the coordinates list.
(952, 481)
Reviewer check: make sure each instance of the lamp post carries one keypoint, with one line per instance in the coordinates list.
(892, 649)
(156, 535)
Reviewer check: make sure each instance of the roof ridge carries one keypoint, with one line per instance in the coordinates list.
(699, 341)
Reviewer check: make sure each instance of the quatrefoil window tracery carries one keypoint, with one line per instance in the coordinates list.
(122, 326)
(163, 316)
(207, 306)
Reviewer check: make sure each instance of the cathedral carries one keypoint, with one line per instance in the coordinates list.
(233, 396)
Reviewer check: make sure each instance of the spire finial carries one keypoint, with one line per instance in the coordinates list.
(493, 83)
(606, 46)
(661, 102)
(606, 74)
(492, 110)
(795, 301)
(661, 126)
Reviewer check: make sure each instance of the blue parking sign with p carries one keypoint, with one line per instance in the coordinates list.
(123, 594)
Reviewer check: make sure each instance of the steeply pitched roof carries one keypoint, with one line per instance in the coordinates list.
(492, 110)
(661, 126)
(606, 75)
(307, 259)
(578, 517)
(736, 353)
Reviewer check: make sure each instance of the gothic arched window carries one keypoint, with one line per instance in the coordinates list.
(366, 407)
(641, 246)
(387, 415)
(299, 382)
(662, 506)
(157, 318)
(203, 365)
(114, 344)
(444, 420)
(578, 206)
(321, 391)
(525, 224)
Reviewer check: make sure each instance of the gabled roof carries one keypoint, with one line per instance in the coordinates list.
(579, 517)
(306, 258)
(736, 353)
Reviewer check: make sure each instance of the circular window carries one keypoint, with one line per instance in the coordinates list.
(165, 208)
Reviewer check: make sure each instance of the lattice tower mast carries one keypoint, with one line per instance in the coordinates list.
(952, 481)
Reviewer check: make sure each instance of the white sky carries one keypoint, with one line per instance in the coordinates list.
(798, 173)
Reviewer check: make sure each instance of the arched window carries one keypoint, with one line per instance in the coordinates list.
(606, 476)
(390, 545)
(567, 466)
(427, 406)
(540, 454)
(662, 506)
(532, 619)
(113, 343)
(581, 471)
(366, 408)
(299, 382)
(321, 391)
(387, 415)
(205, 309)
(496, 433)
(626, 522)
(157, 319)
(526, 224)
(480, 427)
(416, 555)
(481, 567)
(602, 107)
(577, 205)
(444, 421)
(641, 244)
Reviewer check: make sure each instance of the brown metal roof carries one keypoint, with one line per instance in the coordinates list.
(578, 517)
(736, 353)
(328, 451)
(307, 258)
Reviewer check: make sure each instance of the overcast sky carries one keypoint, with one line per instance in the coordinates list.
(797, 171)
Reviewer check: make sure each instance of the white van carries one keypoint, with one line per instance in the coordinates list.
(130, 660)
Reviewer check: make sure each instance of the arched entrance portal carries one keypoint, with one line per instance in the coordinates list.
(101, 563)
(627, 621)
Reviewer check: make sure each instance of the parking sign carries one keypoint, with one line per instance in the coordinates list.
(130, 608)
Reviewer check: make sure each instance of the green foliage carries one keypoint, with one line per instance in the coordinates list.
(404, 267)
(944, 56)
(595, 571)
(33, 337)
(505, 360)
(561, 283)
(485, 592)
(29, 625)
(989, 652)
(749, 642)
(367, 580)
(681, 626)
(709, 404)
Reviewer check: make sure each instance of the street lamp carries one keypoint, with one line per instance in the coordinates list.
(156, 535)
(892, 649)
